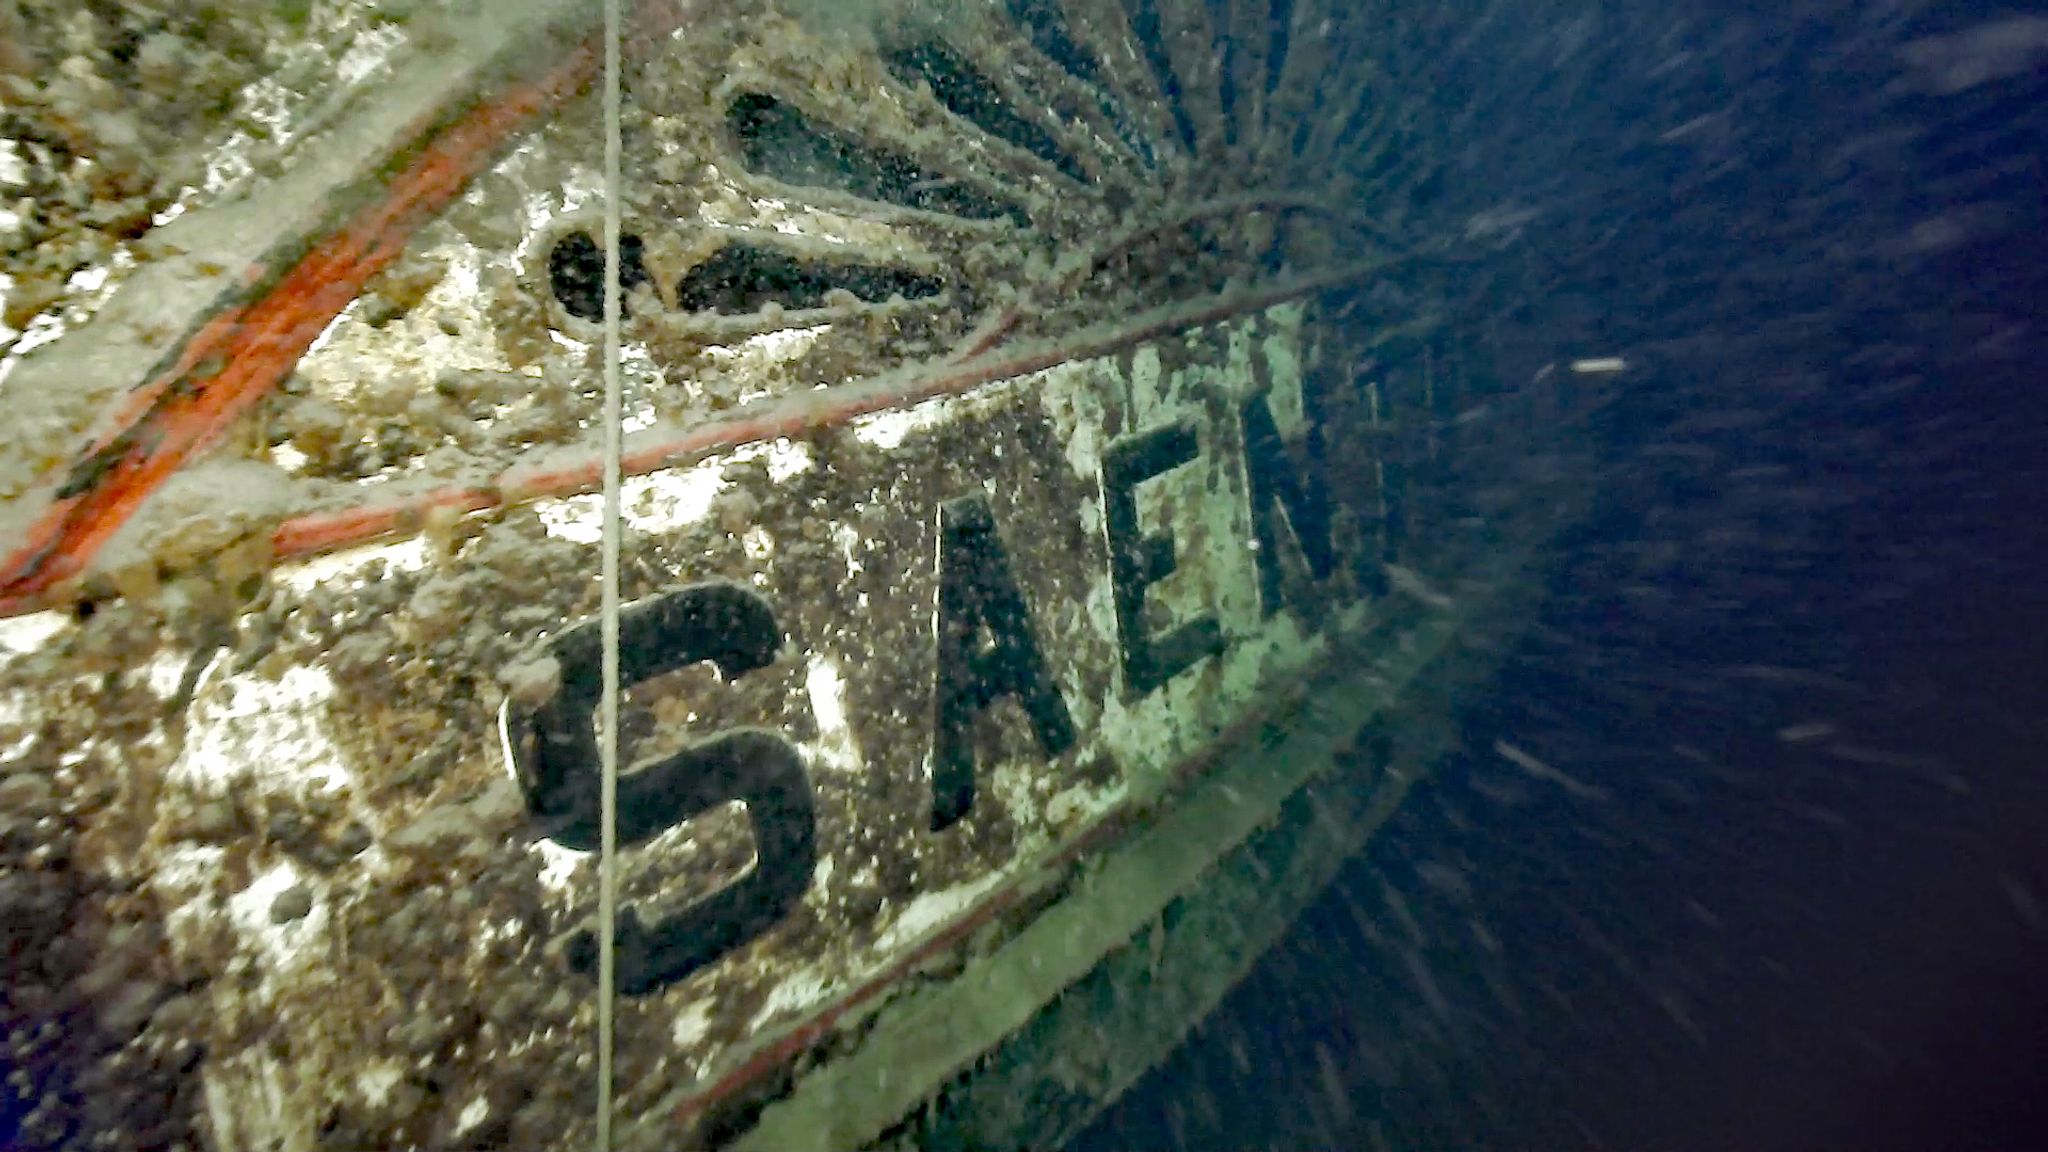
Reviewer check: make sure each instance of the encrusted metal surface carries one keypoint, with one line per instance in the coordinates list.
(970, 364)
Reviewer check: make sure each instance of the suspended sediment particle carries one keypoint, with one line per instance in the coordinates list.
(1600, 366)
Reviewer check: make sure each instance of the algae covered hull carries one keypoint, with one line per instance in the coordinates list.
(1041, 471)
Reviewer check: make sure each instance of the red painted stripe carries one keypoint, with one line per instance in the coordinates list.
(788, 416)
(173, 417)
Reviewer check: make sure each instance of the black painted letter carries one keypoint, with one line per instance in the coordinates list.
(987, 650)
(1138, 561)
(555, 753)
(1276, 487)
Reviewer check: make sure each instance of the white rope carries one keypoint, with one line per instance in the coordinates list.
(608, 707)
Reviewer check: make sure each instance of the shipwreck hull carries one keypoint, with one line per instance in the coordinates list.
(1055, 500)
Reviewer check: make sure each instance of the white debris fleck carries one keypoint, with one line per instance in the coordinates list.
(559, 867)
(848, 538)
(794, 994)
(577, 519)
(2025, 904)
(1545, 772)
(89, 279)
(403, 556)
(279, 943)
(369, 55)
(376, 1082)
(25, 634)
(786, 459)
(1993, 50)
(13, 170)
(665, 501)
(1600, 366)
(1811, 730)
(827, 691)
(245, 724)
(165, 672)
(473, 1114)
(931, 910)
(1409, 581)
(888, 430)
(692, 1024)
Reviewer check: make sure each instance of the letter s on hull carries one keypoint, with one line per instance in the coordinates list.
(555, 755)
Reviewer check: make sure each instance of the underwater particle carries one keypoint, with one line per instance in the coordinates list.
(1542, 771)
(1600, 366)
(2025, 904)
(1411, 582)
(1802, 733)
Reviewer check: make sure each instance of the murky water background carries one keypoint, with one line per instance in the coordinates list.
(1797, 664)
(1746, 846)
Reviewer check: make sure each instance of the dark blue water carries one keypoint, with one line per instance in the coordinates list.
(1802, 657)
(1795, 662)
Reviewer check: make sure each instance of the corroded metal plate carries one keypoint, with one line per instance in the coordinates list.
(991, 459)
(879, 681)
